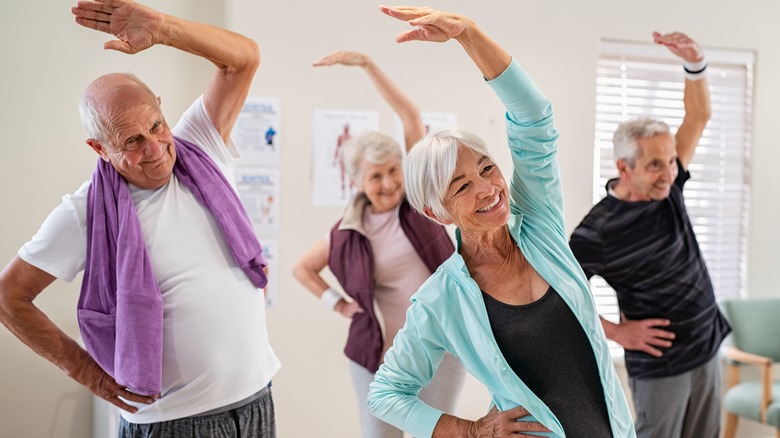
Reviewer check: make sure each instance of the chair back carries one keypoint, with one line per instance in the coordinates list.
(756, 325)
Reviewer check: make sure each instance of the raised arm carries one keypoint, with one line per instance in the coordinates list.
(417, 350)
(437, 26)
(20, 283)
(697, 94)
(138, 27)
(407, 111)
(530, 124)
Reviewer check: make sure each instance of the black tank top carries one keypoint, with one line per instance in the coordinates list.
(547, 348)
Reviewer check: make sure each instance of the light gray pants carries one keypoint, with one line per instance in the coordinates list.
(685, 406)
(441, 393)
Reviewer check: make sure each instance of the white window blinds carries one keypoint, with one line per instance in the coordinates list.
(641, 79)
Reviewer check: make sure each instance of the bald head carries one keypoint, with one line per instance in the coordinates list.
(107, 97)
(128, 130)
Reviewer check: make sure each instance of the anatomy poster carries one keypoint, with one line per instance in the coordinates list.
(258, 189)
(332, 128)
(257, 132)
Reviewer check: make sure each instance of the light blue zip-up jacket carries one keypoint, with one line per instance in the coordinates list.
(448, 312)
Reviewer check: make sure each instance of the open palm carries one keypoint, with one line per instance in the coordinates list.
(135, 26)
(432, 25)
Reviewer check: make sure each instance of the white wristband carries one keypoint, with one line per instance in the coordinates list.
(330, 298)
(697, 70)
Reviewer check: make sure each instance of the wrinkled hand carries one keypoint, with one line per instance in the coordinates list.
(137, 27)
(348, 309)
(344, 58)
(681, 45)
(643, 335)
(104, 386)
(504, 424)
(433, 25)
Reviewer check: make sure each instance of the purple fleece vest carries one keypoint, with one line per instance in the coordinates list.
(120, 309)
(352, 263)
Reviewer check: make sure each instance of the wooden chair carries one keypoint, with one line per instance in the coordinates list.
(755, 340)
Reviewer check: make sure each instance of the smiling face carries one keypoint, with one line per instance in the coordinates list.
(477, 196)
(382, 184)
(654, 170)
(138, 143)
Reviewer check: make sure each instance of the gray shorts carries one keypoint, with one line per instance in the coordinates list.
(254, 418)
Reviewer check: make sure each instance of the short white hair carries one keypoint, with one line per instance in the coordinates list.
(373, 147)
(90, 118)
(625, 140)
(429, 167)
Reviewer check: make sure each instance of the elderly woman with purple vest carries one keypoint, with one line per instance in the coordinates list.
(380, 251)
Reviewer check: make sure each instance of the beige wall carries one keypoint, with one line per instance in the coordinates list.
(44, 154)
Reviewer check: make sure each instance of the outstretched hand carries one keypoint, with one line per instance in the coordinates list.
(344, 58)
(437, 26)
(432, 25)
(136, 27)
(681, 45)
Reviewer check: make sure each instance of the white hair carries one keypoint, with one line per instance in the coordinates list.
(429, 167)
(90, 118)
(627, 134)
(373, 147)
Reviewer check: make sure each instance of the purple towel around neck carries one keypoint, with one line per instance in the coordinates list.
(120, 309)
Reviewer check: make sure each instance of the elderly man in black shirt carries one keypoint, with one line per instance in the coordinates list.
(640, 240)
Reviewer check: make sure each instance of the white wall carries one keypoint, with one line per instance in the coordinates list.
(48, 61)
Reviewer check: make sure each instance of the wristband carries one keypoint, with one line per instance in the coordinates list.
(696, 70)
(330, 298)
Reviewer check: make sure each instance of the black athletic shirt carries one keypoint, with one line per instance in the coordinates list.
(648, 253)
(545, 345)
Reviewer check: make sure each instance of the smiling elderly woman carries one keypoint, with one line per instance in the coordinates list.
(512, 303)
(380, 252)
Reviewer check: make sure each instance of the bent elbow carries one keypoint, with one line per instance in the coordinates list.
(253, 54)
(299, 271)
(374, 400)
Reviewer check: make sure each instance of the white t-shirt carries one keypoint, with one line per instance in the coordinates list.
(215, 341)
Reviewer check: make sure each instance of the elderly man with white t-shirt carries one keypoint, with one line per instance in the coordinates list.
(171, 308)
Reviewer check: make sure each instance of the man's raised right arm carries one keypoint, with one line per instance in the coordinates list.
(138, 27)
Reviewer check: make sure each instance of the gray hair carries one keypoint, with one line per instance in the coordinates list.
(373, 147)
(90, 115)
(91, 119)
(629, 132)
(429, 167)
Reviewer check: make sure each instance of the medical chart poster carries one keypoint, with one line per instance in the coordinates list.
(258, 189)
(433, 121)
(332, 128)
(257, 132)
